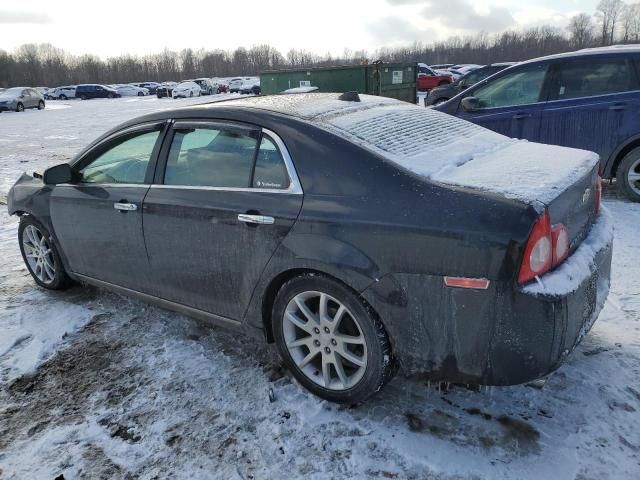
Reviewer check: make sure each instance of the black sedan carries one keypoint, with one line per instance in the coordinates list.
(360, 234)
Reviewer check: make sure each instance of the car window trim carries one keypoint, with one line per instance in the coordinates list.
(295, 187)
(160, 126)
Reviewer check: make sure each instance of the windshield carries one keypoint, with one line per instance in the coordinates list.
(12, 92)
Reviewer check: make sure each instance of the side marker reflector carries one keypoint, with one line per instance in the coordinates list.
(464, 282)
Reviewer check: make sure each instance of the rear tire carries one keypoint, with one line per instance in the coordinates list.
(63, 97)
(40, 255)
(40, 105)
(110, 95)
(628, 175)
(339, 352)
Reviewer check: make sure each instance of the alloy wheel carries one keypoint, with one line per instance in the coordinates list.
(39, 254)
(325, 340)
(633, 176)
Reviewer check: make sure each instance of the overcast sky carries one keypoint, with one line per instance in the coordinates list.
(113, 27)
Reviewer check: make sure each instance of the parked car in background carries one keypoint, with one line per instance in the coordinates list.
(206, 86)
(186, 89)
(235, 84)
(251, 86)
(62, 93)
(20, 98)
(428, 78)
(131, 91)
(93, 90)
(587, 99)
(221, 85)
(443, 93)
(42, 90)
(165, 89)
(356, 246)
(151, 86)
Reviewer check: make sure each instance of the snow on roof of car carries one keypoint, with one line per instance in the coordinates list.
(439, 146)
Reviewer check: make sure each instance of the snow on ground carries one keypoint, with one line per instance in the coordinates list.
(94, 385)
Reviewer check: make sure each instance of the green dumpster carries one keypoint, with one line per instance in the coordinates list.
(395, 80)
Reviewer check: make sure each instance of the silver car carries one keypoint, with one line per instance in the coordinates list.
(19, 98)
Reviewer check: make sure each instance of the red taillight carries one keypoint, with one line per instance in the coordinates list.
(538, 255)
(598, 193)
(560, 242)
(547, 247)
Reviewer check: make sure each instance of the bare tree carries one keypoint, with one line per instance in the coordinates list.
(631, 23)
(581, 30)
(608, 13)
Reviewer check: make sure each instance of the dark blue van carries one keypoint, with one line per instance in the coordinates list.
(91, 90)
(588, 99)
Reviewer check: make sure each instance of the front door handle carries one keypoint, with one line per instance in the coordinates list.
(256, 219)
(125, 207)
(618, 106)
(519, 116)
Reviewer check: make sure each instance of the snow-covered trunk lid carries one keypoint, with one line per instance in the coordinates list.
(452, 151)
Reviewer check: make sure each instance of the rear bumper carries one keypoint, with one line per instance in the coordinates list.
(502, 335)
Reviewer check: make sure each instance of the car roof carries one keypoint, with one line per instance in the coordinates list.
(587, 52)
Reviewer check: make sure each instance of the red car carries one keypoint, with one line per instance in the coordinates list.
(428, 78)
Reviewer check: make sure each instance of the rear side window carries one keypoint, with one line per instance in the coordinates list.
(270, 171)
(519, 87)
(211, 157)
(591, 77)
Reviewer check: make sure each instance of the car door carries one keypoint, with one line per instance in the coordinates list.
(97, 219)
(31, 98)
(512, 103)
(592, 101)
(228, 196)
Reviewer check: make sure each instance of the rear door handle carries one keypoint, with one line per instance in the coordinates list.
(256, 219)
(125, 207)
(618, 106)
(519, 116)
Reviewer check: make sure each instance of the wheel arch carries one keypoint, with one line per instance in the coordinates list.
(616, 157)
(275, 284)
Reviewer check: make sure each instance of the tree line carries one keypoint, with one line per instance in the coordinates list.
(43, 64)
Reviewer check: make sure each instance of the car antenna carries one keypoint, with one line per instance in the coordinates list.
(349, 97)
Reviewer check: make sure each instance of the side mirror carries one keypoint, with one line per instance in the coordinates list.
(463, 86)
(470, 104)
(58, 174)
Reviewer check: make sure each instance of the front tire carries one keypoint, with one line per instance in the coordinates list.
(19, 107)
(62, 97)
(628, 175)
(330, 339)
(40, 255)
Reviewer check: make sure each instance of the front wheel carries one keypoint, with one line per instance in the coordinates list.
(40, 255)
(330, 339)
(628, 175)
(110, 95)
(63, 97)
(140, 94)
(20, 107)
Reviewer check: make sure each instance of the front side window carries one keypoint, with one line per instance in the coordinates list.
(211, 157)
(590, 77)
(519, 87)
(125, 162)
